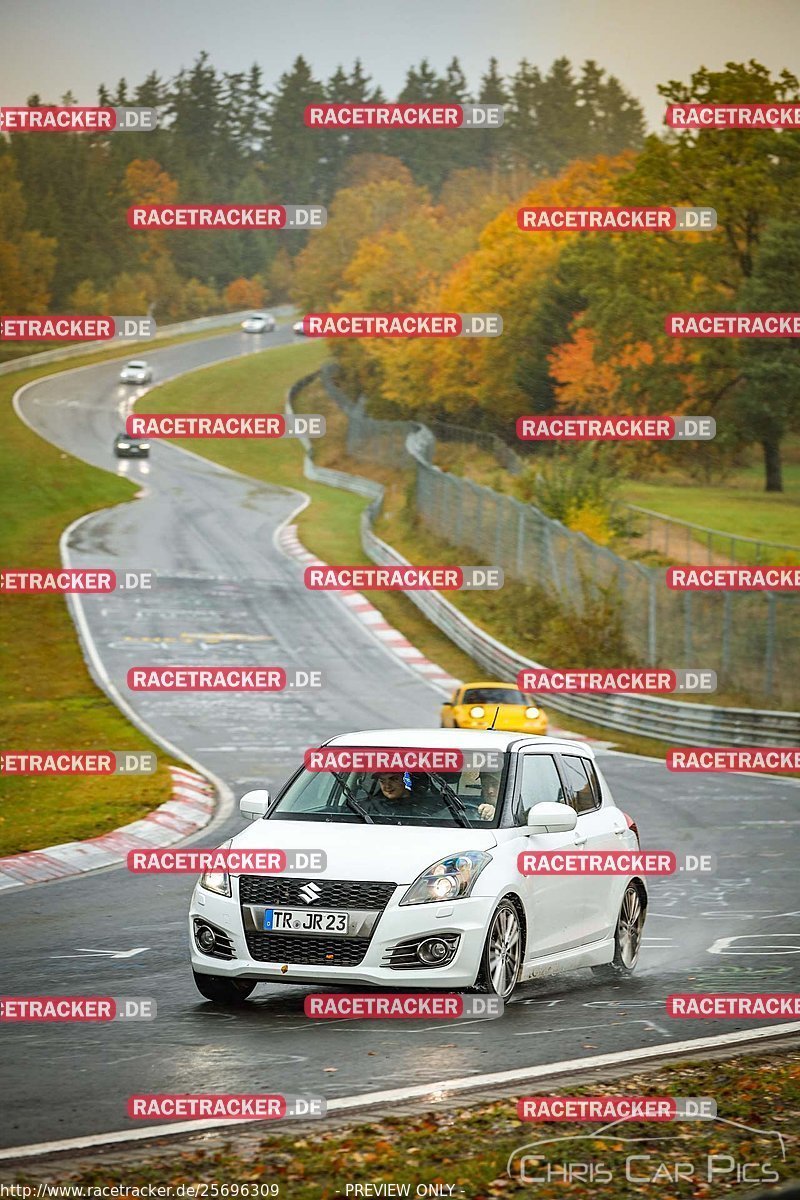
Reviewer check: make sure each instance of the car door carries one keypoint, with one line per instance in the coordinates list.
(597, 829)
(553, 903)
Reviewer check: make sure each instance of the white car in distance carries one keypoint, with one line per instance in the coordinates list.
(259, 323)
(424, 891)
(136, 371)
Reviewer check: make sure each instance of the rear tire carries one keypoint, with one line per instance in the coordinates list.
(223, 991)
(627, 937)
(502, 952)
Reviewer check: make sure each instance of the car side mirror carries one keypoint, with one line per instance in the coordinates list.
(253, 805)
(551, 818)
(447, 704)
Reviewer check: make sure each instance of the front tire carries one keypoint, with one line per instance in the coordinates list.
(502, 952)
(627, 937)
(223, 991)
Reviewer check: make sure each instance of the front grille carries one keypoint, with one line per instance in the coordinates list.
(312, 951)
(334, 893)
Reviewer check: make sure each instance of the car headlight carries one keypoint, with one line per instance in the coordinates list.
(477, 712)
(450, 878)
(532, 713)
(144, 445)
(124, 445)
(217, 881)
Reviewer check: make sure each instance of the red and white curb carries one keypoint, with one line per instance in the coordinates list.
(367, 614)
(190, 809)
(393, 640)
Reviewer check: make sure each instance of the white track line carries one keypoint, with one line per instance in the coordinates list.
(430, 1091)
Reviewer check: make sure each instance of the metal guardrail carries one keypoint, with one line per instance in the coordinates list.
(666, 720)
(78, 349)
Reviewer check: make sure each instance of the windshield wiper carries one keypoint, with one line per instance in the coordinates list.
(351, 800)
(453, 802)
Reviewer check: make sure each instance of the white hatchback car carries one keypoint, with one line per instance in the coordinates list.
(259, 323)
(422, 887)
(136, 371)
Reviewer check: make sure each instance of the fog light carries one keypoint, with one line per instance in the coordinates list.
(432, 951)
(205, 938)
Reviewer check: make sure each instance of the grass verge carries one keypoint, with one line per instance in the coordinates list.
(465, 1146)
(49, 700)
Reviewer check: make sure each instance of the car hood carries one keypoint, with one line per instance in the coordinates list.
(391, 853)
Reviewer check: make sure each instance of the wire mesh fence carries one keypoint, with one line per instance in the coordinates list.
(749, 638)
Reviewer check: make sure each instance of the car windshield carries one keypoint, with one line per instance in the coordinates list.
(434, 798)
(137, 366)
(496, 695)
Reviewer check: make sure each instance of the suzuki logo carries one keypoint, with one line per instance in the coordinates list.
(310, 892)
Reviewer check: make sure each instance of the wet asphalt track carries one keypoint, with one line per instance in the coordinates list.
(226, 595)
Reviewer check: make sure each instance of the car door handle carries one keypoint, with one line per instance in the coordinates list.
(580, 841)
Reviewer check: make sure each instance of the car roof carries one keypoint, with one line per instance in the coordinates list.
(463, 739)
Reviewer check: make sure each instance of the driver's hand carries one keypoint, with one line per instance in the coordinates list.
(486, 811)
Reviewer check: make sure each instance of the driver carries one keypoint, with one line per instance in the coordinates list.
(399, 790)
(490, 790)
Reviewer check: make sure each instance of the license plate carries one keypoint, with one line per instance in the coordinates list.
(303, 920)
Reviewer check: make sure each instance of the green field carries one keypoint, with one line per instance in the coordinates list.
(741, 508)
(49, 701)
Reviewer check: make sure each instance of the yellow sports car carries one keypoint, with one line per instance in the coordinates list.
(495, 705)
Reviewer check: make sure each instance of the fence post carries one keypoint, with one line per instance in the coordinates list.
(520, 540)
(652, 643)
(727, 619)
(687, 626)
(769, 654)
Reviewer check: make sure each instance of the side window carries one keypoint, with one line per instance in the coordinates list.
(594, 780)
(539, 783)
(583, 790)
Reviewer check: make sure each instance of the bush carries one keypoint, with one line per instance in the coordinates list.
(578, 489)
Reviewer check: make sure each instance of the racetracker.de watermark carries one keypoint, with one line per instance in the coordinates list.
(224, 425)
(613, 862)
(257, 1106)
(614, 219)
(65, 582)
(234, 862)
(732, 325)
(733, 579)
(624, 428)
(76, 118)
(624, 679)
(401, 1006)
(219, 679)
(426, 115)
(774, 759)
(77, 1008)
(616, 1108)
(66, 328)
(227, 216)
(402, 578)
(395, 758)
(77, 762)
(402, 325)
